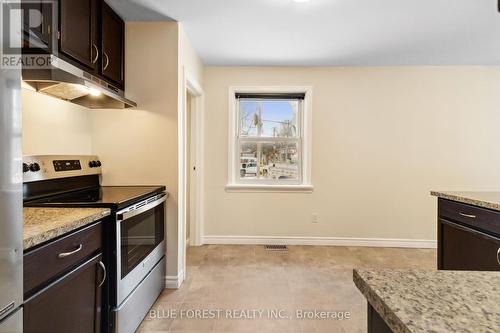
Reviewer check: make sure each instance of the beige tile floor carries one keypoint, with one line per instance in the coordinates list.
(227, 277)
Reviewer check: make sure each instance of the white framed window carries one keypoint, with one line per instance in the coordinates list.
(269, 139)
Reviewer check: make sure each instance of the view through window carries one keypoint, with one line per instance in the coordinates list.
(269, 138)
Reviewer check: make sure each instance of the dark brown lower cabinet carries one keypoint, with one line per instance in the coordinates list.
(463, 248)
(73, 303)
(468, 237)
(375, 323)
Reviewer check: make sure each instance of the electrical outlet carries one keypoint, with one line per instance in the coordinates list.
(315, 218)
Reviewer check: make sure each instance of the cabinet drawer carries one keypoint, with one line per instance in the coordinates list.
(472, 216)
(47, 262)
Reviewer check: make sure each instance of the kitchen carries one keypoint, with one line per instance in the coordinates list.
(150, 138)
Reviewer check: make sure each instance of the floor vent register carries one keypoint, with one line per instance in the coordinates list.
(276, 247)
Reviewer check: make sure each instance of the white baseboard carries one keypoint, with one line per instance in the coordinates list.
(324, 241)
(174, 282)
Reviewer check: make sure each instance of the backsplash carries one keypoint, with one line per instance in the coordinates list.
(52, 126)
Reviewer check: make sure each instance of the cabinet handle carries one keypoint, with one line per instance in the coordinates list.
(467, 215)
(498, 256)
(104, 274)
(107, 60)
(96, 53)
(67, 254)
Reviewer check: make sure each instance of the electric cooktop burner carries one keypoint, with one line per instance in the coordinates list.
(104, 196)
(75, 181)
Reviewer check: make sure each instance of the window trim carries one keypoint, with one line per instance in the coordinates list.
(234, 184)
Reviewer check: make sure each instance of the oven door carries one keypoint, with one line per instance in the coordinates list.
(140, 243)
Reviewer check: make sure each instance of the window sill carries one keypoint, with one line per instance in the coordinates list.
(249, 188)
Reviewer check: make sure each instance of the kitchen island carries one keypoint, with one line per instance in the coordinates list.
(417, 301)
(484, 199)
(468, 225)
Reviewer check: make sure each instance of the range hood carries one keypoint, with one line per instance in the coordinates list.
(68, 82)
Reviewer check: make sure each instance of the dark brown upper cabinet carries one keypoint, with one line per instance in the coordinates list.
(37, 39)
(79, 31)
(112, 45)
(89, 34)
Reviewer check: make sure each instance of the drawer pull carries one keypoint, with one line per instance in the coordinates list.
(498, 256)
(468, 215)
(103, 274)
(67, 254)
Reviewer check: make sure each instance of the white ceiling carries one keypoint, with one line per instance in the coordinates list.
(332, 32)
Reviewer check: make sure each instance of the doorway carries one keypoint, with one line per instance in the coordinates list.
(191, 167)
(191, 117)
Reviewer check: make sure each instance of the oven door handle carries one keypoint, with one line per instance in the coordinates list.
(126, 215)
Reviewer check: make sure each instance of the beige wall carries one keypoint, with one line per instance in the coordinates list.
(382, 139)
(188, 57)
(139, 146)
(52, 126)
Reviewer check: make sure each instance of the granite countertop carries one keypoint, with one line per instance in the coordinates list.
(43, 224)
(489, 200)
(417, 301)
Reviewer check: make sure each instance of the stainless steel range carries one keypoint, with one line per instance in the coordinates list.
(136, 236)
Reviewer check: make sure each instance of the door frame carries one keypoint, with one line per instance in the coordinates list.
(191, 85)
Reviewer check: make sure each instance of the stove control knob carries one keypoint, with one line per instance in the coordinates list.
(92, 164)
(26, 167)
(34, 167)
(98, 163)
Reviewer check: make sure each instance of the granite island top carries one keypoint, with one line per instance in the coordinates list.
(417, 301)
(44, 224)
(489, 200)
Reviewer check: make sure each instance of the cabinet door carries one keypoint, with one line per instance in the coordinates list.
(462, 248)
(37, 39)
(113, 45)
(79, 31)
(71, 304)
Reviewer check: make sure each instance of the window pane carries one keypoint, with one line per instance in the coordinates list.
(248, 161)
(249, 113)
(279, 160)
(279, 118)
(269, 118)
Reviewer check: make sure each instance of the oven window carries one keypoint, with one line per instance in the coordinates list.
(139, 236)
